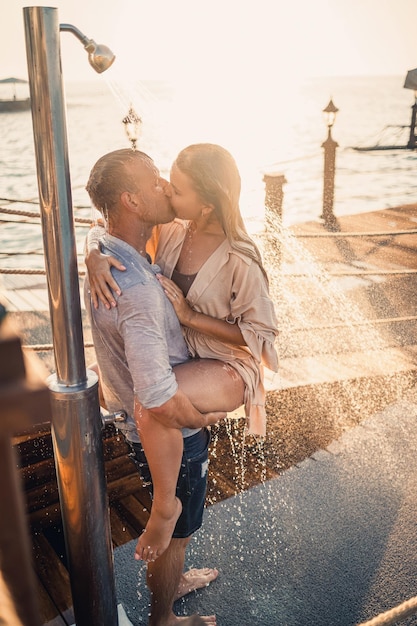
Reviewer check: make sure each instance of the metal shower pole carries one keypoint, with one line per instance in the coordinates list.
(76, 421)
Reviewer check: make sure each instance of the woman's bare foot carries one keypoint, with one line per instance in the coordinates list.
(157, 535)
(195, 579)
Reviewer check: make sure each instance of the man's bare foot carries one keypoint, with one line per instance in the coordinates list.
(157, 535)
(195, 579)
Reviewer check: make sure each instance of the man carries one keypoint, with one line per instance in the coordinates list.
(137, 344)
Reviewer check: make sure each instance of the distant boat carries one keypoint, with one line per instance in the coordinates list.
(15, 103)
(410, 83)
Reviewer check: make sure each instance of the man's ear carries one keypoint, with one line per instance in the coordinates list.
(129, 201)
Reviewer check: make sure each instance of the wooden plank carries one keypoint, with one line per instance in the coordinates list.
(134, 511)
(27, 300)
(15, 302)
(124, 487)
(23, 281)
(40, 299)
(119, 467)
(30, 299)
(115, 446)
(29, 435)
(52, 574)
(45, 518)
(121, 531)
(34, 448)
(59, 620)
(67, 618)
(48, 516)
(42, 496)
(37, 474)
(47, 607)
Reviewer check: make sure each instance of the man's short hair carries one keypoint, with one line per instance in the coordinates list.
(110, 177)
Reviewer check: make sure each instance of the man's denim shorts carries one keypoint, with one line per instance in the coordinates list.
(192, 480)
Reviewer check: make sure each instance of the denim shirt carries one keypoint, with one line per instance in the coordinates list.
(139, 341)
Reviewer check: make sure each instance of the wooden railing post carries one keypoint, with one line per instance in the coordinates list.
(274, 196)
(24, 400)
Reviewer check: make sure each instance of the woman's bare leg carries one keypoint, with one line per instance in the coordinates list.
(163, 448)
(210, 385)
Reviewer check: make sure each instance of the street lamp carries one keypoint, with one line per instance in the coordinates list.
(131, 123)
(76, 420)
(329, 146)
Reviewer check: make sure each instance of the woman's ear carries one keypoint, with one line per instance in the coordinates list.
(206, 210)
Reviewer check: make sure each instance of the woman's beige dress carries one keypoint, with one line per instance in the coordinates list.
(229, 286)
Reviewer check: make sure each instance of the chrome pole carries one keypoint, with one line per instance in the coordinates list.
(76, 421)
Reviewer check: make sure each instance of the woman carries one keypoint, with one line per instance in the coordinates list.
(212, 273)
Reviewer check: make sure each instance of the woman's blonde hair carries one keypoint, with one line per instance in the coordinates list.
(215, 177)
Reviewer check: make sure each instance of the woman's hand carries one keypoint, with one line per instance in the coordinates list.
(176, 297)
(221, 330)
(101, 279)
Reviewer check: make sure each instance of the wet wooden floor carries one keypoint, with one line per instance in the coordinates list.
(129, 506)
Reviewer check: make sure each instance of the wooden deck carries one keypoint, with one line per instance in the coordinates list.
(129, 506)
(129, 509)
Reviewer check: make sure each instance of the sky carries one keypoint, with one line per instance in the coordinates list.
(227, 40)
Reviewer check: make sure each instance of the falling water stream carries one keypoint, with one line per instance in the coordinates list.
(327, 333)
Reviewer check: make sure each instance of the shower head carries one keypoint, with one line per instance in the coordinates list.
(99, 56)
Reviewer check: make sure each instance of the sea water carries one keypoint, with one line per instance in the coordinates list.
(271, 128)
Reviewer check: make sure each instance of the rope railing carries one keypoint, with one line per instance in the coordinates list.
(45, 347)
(359, 272)
(335, 326)
(394, 615)
(276, 164)
(34, 214)
(10, 270)
(39, 252)
(18, 222)
(36, 202)
(22, 270)
(17, 201)
(20, 252)
(384, 233)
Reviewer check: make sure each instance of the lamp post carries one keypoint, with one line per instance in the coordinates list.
(76, 420)
(131, 123)
(329, 146)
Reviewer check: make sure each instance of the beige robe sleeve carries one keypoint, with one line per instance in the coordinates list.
(253, 310)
